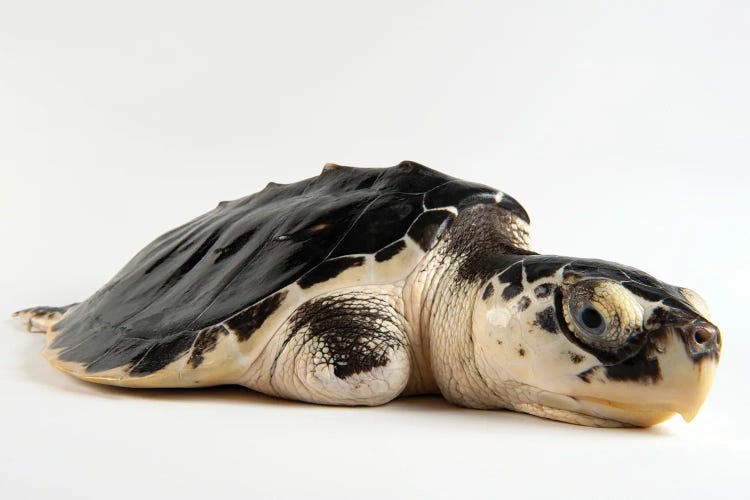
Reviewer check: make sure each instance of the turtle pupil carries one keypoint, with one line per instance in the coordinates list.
(591, 318)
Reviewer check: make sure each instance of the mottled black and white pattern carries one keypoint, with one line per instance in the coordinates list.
(351, 333)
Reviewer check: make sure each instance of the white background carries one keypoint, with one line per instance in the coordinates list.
(623, 127)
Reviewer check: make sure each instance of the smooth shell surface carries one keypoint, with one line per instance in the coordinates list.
(244, 251)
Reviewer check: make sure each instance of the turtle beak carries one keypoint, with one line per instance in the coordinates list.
(687, 357)
(702, 342)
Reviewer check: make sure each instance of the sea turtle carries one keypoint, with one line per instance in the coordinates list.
(361, 285)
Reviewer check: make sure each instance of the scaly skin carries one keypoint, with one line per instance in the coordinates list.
(445, 315)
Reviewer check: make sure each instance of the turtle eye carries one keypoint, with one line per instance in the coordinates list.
(601, 313)
(590, 320)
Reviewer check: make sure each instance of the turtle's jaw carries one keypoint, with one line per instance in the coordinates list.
(681, 385)
(686, 402)
(616, 404)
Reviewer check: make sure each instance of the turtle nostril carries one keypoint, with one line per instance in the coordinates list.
(702, 335)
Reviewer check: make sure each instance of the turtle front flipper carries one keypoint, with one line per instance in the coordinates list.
(345, 348)
(41, 318)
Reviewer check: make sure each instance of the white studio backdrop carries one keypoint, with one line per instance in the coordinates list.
(622, 127)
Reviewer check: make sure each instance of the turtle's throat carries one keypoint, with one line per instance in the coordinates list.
(443, 304)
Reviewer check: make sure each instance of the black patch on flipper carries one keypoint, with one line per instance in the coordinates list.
(248, 321)
(429, 226)
(488, 291)
(512, 276)
(545, 320)
(341, 328)
(390, 251)
(521, 352)
(543, 290)
(205, 343)
(524, 303)
(162, 353)
(329, 269)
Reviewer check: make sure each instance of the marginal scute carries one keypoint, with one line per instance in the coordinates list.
(328, 270)
(205, 343)
(161, 353)
(245, 323)
(390, 251)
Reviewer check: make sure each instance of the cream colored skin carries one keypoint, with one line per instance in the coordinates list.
(545, 380)
(451, 341)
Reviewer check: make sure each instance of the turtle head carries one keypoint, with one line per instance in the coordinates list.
(594, 342)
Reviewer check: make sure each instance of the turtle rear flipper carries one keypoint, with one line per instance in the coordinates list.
(39, 319)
